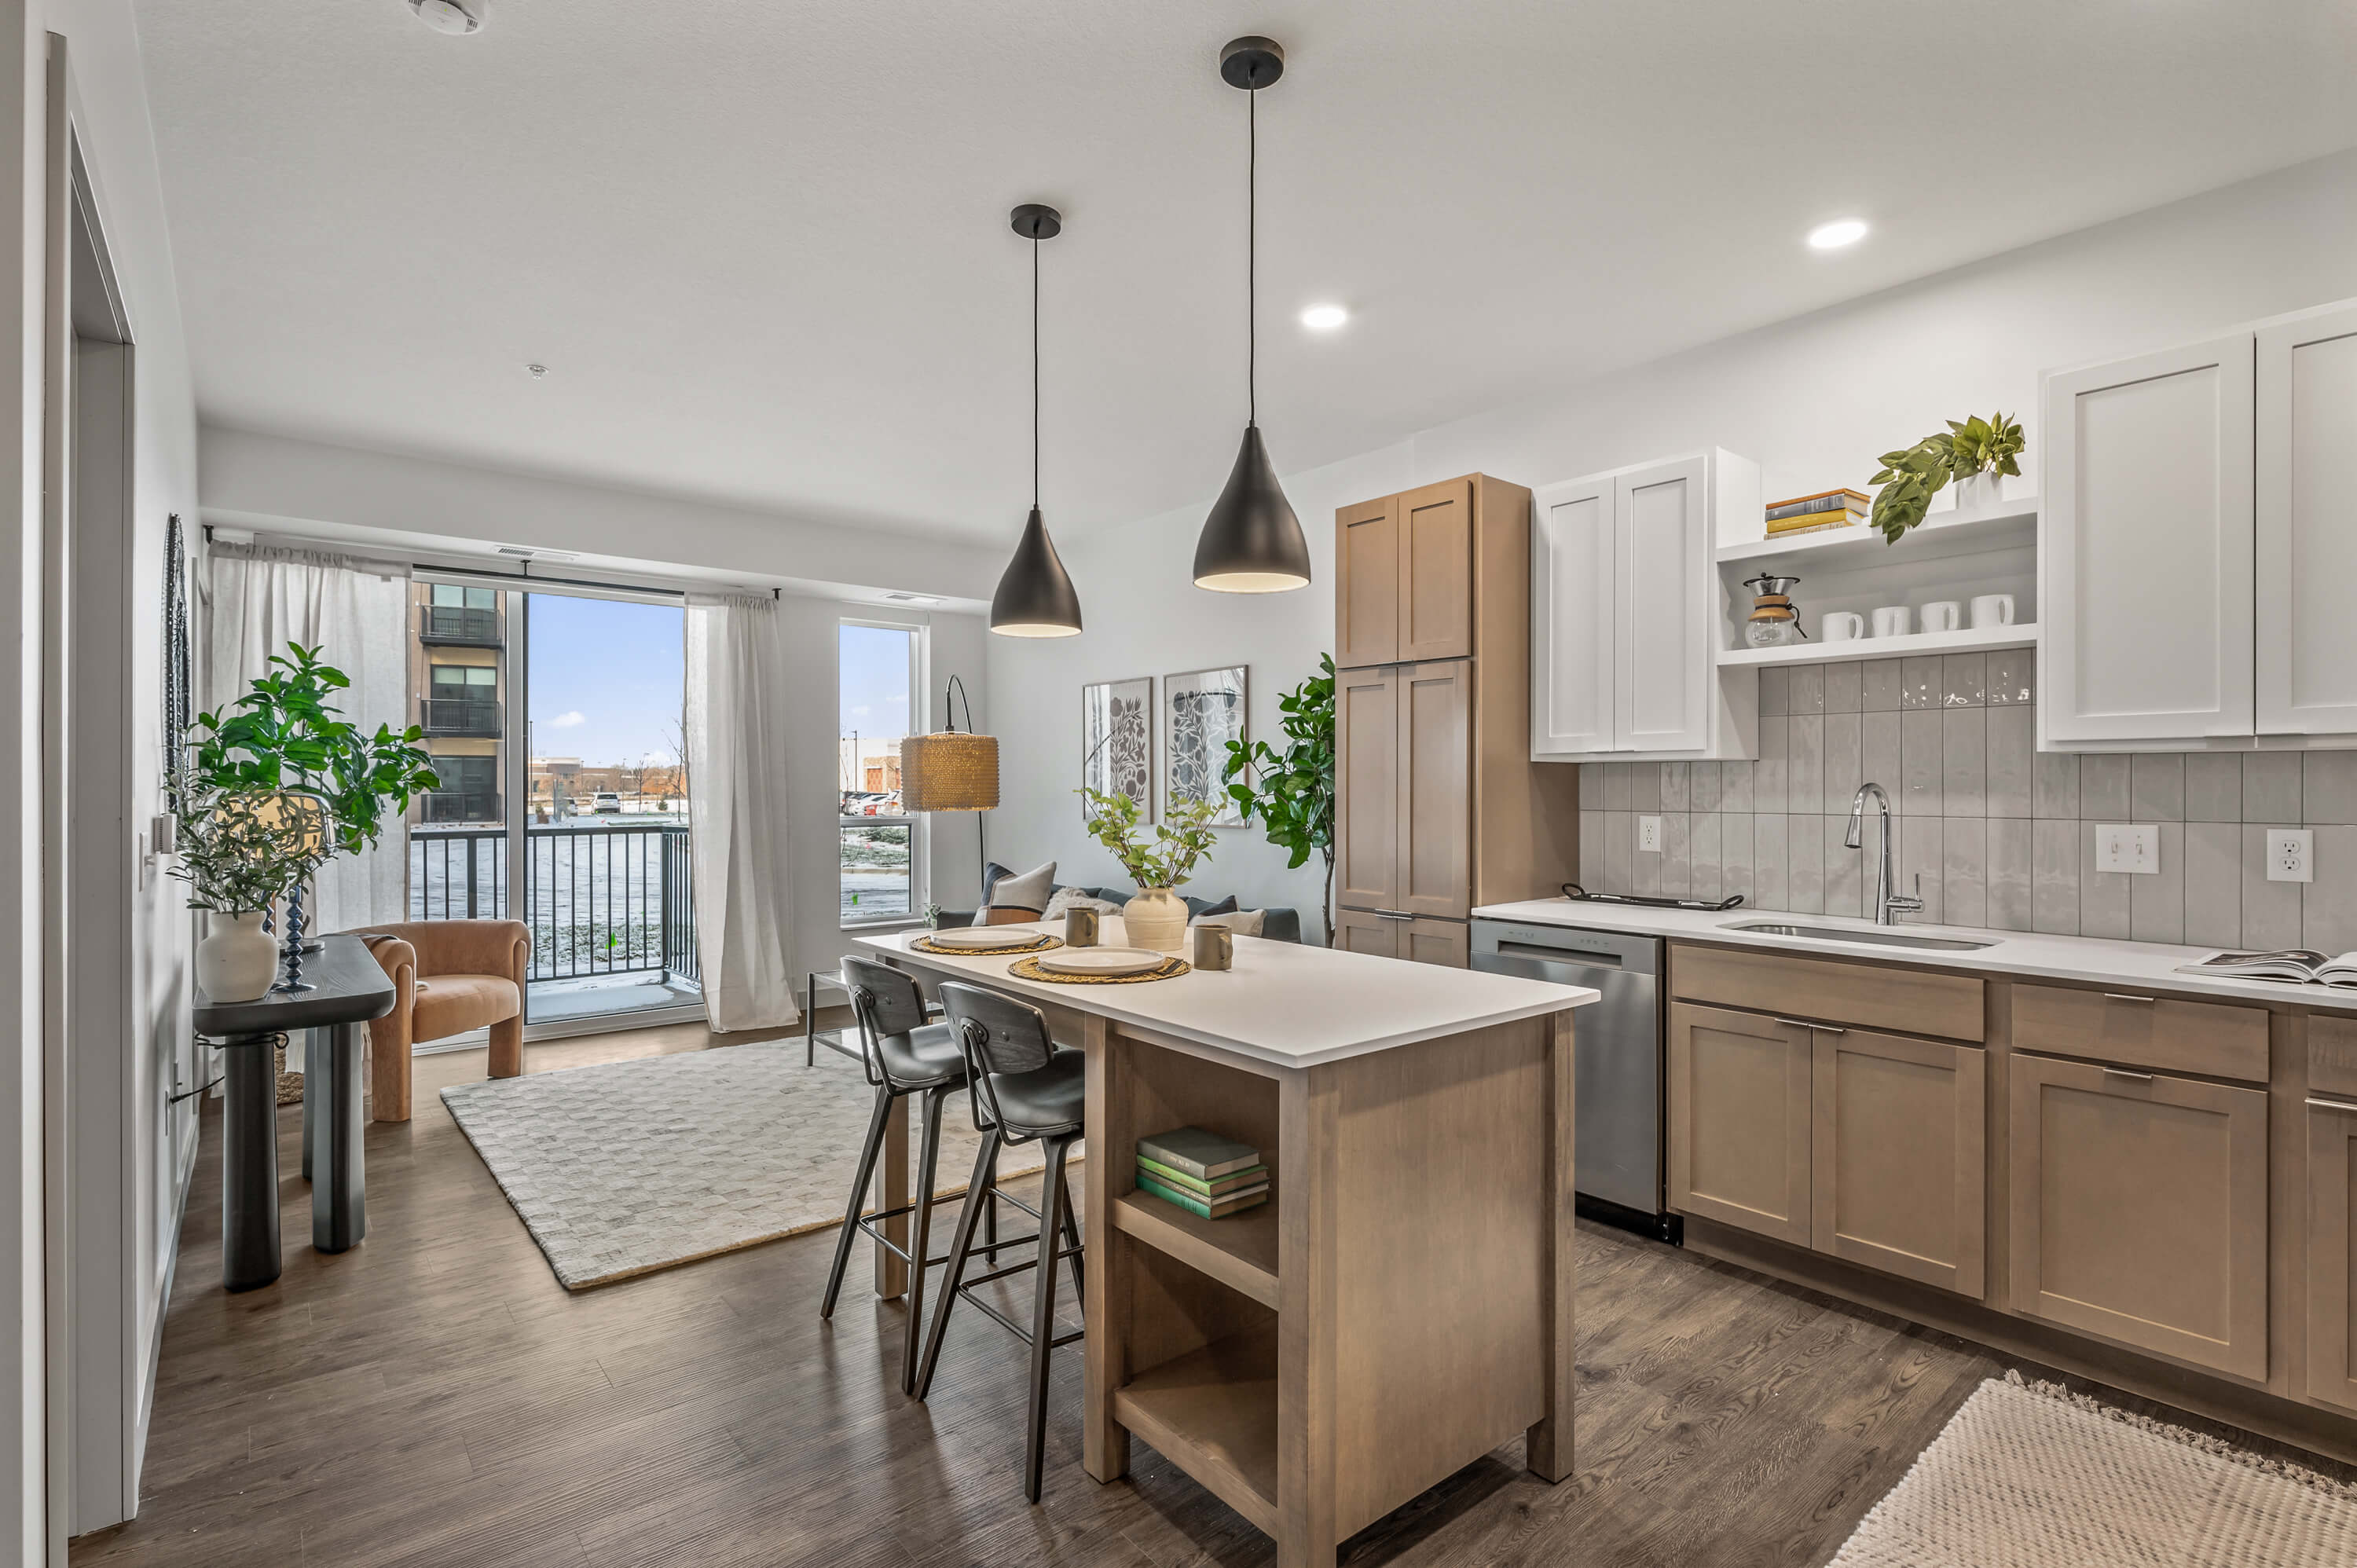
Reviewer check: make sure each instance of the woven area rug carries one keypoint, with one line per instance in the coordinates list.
(627, 1167)
(2034, 1476)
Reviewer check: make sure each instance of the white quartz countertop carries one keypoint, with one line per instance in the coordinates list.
(2098, 960)
(1283, 1002)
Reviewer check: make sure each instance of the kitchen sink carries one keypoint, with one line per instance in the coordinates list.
(1852, 934)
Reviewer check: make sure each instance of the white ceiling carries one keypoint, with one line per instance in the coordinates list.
(763, 245)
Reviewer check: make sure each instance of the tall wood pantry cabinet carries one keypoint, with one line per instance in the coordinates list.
(1438, 807)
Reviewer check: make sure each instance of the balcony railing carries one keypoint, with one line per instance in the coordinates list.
(462, 805)
(617, 899)
(457, 625)
(463, 715)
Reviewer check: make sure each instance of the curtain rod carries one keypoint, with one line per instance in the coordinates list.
(525, 576)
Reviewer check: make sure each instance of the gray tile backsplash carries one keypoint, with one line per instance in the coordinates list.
(2001, 834)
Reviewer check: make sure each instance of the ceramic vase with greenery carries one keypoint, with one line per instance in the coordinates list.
(239, 851)
(1157, 918)
(1977, 453)
(1291, 792)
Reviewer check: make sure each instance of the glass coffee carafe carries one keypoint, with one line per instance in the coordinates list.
(1774, 623)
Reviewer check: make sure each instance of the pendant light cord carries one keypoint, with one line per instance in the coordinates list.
(1252, 253)
(1035, 367)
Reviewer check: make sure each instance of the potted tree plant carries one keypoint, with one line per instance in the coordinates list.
(1156, 916)
(1292, 792)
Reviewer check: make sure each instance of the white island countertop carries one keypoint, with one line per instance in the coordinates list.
(1284, 1003)
(2030, 955)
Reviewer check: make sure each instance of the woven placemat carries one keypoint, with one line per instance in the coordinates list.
(1042, 943)
(1028, 969)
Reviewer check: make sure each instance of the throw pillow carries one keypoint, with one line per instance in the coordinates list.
(1077, 898)
(1199, 907)
(1030, 891)
(1242, 922)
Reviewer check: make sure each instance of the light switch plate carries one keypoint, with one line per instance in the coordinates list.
(2131, 848)
(2291, 854)
(1649, 835)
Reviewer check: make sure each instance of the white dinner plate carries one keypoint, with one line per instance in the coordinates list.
(982, 936)
(1102, 961)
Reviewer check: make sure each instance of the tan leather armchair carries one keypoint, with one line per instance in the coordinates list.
(448, 977)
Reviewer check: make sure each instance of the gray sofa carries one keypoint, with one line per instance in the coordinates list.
(1279, 924)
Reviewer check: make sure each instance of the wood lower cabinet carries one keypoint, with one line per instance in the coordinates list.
(1448, 943)
(2140, 1210)
(1740, 1109)
(2332, 1251)
(1899, 1175)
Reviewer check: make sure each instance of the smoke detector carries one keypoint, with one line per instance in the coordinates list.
(458, 18)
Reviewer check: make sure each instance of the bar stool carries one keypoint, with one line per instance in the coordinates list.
(901, 1055)
(1020, 1087)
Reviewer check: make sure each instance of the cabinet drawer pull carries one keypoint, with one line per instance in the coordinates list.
(1390, 914)
(2123, 1072)
(1805, 1023)
(2322, 1104)
(2124, 996)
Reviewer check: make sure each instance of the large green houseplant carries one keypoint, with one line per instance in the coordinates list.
(1292, 792)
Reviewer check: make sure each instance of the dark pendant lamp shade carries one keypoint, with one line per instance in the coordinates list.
(1035, 595)
(1252, 542)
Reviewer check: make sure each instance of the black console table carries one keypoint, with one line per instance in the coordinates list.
(350, 987)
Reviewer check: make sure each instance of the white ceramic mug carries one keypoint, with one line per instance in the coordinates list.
(1943, 615)
(1891, 620)
(1842, 626)
(1993, 610)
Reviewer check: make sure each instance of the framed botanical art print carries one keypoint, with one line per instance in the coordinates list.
(1118, 741)
(1202, 711)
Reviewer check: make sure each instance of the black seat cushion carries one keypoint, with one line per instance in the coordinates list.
(1046, 1100)
(923, 1057)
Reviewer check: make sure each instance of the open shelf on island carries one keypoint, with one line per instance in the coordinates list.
(1240, 1251)
(1213, 1413)
(1971, 639)
(2008, 525)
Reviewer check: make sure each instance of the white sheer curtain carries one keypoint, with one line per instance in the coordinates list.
(356, 612)
(736, 792)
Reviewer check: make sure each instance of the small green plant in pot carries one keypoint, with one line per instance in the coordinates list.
(1292, 792)
(1157, 918)
(240, 850)
(1975, 451)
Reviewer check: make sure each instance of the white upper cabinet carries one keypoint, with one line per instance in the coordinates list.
(2307, 524)
(1624, 613)
(2145, 548)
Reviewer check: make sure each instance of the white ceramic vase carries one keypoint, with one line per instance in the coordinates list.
(1155, 919)
(1975, 492)
(238, 961)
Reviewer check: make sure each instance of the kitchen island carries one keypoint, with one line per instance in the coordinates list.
(1403, 1303)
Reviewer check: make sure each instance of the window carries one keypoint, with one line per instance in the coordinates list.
(878, 673)
(462, 699)
(469, 791)
(453, 613)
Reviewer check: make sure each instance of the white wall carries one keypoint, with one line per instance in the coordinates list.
(1814, 400)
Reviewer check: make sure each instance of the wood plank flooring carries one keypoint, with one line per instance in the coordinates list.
(435, 1397)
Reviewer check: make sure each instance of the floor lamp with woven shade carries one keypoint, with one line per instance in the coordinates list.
(953, 769)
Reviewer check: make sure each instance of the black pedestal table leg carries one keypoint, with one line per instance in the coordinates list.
(249, 1164)
(310, 1103)
(339, 1192)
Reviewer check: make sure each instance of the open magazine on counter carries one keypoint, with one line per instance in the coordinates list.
(2297, 966)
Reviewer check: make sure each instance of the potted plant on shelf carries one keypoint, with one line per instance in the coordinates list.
(239, 851)
(1292, 792)
(1975, 451)
(1156, 916)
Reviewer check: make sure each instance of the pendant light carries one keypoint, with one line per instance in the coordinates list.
(1252, 542)
(1035, 596)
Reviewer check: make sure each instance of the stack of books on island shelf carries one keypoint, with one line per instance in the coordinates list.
(1810, 514)
(1209, 1176)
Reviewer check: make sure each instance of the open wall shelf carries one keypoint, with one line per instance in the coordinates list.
(2008, 525)
(1971, 639)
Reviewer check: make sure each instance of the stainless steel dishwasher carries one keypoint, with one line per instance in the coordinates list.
(1617, 1168)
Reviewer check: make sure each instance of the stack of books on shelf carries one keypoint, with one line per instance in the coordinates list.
(1812, 514)
(1209, 1176)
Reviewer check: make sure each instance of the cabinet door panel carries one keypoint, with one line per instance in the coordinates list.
(1898, 1177)
(1366, 583)
(1435, 571)
(1449, 943)
(1356, 930)
(2145, 548)
(2332, 1253)
(1436, 775)
(1666, 653)
(2140, 1210)
(1573, 626)
(2307, 525)
(1366, 818)
(1739, 1112)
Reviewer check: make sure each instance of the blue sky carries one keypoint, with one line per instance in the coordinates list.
(875, 682)
(607, 679)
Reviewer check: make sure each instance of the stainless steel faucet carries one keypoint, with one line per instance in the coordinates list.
(1887, 904)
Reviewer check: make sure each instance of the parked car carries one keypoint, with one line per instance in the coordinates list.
(606, 804)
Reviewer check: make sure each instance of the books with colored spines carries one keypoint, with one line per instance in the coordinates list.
(1815, 522)
(1824, 501)
(1209, 1191)
(1192, 1152)
(1216, 1208)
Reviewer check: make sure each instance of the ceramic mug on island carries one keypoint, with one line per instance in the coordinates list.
(1841, 625)
(1993, 610)
(1943, 615)
(1891, 620)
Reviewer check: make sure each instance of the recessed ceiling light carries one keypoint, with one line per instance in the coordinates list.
(1324, 317)
(458, 18)
(536, 371)
(1841, 231)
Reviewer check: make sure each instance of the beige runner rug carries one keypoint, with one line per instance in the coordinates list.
(2033, 1477)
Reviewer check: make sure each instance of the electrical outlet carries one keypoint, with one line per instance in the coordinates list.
(1649, 835)
(2133, 848)
(2291, 854)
